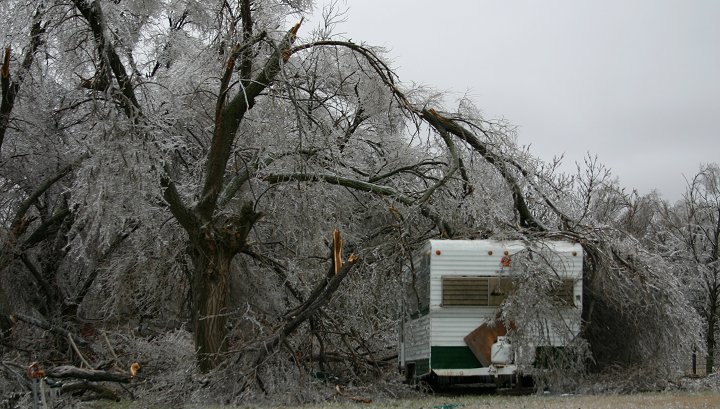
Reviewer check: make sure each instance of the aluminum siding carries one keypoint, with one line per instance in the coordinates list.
(450, 325)
(417, 339)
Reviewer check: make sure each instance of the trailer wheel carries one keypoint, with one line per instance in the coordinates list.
(410, 373)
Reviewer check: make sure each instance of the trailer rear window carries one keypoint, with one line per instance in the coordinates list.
(562, 292)
(475, 291)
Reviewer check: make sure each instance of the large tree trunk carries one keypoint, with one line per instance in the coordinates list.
(210, 288)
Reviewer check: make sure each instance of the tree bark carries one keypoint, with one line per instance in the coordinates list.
(710, 359)
(210, 291)
(711, 327)
(88, 374)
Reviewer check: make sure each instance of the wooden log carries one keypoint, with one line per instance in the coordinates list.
(101, 392)
(67, 371)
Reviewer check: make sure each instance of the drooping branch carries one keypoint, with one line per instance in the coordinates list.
(341, 181)
(386, 74)
(46, 228)
(19, 223)
(410, 169)
(440, 123)
(117, 241)
(442, 225)
(454, 166)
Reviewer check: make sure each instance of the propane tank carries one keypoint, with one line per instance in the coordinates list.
(500, 352)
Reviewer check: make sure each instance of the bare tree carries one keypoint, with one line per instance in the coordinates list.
(691, 242)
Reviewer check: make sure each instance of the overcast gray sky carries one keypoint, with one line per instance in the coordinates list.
(635, 82)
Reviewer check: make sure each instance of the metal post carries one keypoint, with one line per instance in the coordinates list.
(34, 385)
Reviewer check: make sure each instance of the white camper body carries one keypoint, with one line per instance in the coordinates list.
(456, 286)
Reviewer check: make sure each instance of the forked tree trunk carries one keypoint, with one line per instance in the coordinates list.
(210, 288)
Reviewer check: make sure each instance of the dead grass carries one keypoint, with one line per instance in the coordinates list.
(674, 400)
(665, 400)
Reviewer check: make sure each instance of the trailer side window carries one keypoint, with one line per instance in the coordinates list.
(475, 291)
(500, 288)
(562, 292)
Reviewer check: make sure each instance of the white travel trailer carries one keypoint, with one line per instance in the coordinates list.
(453, 293)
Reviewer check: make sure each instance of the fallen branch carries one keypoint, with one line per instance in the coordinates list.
(307, 309)
(320, 297)
(22, 380)
(101, 392)
(47, 326)
(354, 398)
(77, 351)
(67, 371)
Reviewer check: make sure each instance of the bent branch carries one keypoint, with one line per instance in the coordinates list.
(441, 124)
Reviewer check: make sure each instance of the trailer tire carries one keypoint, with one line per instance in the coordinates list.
(410, 373)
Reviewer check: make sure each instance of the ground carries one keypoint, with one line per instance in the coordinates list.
(655, 400)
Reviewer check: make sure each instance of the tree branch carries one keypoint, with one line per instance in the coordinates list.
(402, 169)
(47, 326)
(183, 215)
(307, 309)
(67, 371)
(10, 88)
(341, 181)
(119, 238)
(246, 55)
(455, 165)
(39, 279)
(18, 224)
(228, 121)
(278, 268)
(442, 225)
(48, 227)
(437, 121)
(93, 14)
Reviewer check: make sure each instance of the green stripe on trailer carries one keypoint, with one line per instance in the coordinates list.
(453, 358)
